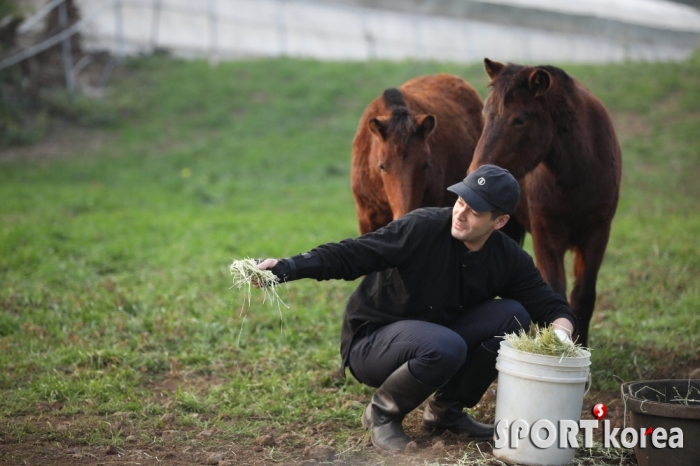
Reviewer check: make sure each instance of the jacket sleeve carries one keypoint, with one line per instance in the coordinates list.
(352, 258)
(527, 287)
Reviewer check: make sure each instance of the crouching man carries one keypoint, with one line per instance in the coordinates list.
(426, 319)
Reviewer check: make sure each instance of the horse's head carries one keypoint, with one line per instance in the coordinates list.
(400, 154)
(518, 127)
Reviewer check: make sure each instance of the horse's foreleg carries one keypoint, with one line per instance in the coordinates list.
(515, 230)
(550, 248)
(372, 218)
(587, 262)
(365, 225)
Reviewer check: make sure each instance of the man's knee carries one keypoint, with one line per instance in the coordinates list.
(454, 351)
(438, 362)
(450, 351)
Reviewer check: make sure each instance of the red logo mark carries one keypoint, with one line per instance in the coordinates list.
(599, 411)
(648, 431)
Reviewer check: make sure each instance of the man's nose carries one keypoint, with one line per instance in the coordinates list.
(461, 211)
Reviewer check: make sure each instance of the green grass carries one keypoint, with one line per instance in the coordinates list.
(114, 285)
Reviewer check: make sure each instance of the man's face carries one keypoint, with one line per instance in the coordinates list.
(471, 227)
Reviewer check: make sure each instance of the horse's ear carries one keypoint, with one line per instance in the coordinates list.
(379, 127)
(539, 81)
(426, 124)
(492, 68)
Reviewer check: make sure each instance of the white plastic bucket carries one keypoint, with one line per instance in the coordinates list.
(533, 387)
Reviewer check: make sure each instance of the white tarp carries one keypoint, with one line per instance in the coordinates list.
(225, 29)
(652, 13)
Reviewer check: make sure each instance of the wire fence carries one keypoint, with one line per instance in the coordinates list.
(229, 29)
(63, 38)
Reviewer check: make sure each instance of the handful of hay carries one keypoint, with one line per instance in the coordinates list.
(245, 272)
(543, 341)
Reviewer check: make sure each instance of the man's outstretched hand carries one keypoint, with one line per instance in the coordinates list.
(265, 265)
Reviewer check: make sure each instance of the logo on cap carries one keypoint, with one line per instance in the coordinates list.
(481, 181)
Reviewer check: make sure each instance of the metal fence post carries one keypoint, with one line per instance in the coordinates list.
(213, 58)
(281, 28)
(369, 37)
(119, 29)
(155, 23)
(67, 52)
(420, 52)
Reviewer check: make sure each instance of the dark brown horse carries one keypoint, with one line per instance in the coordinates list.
(557, 139)
(411, 144)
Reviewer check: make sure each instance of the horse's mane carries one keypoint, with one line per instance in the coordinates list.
(401, 124)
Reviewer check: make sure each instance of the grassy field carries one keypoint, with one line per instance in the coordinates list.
(118, 328)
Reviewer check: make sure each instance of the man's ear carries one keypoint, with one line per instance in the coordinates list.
(501, 221)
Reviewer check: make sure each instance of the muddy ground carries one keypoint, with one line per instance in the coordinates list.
(51, 438)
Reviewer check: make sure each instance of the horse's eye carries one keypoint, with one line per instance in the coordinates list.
(519, 121)
(382, 167)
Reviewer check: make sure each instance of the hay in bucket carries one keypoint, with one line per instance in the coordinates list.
(543, 340)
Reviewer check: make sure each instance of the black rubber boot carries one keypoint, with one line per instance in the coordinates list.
(400, 394)
(440, 416)
(465, 389)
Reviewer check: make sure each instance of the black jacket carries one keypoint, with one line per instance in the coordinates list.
(415, 269)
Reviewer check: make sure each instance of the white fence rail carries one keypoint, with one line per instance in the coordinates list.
(230, 29)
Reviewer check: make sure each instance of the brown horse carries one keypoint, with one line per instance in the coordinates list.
(411, 144)
(557, 139)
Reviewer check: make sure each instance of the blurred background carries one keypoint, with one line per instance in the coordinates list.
(144, 144)
(76, 44)
(586, 31)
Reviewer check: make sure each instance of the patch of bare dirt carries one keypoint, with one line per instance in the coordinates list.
(630, 125)
(63, 141)
(50, 437)
(669, 112)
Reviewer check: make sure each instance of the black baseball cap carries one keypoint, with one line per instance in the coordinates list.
(488, 188)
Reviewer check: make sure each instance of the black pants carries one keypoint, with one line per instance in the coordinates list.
(460, 357)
